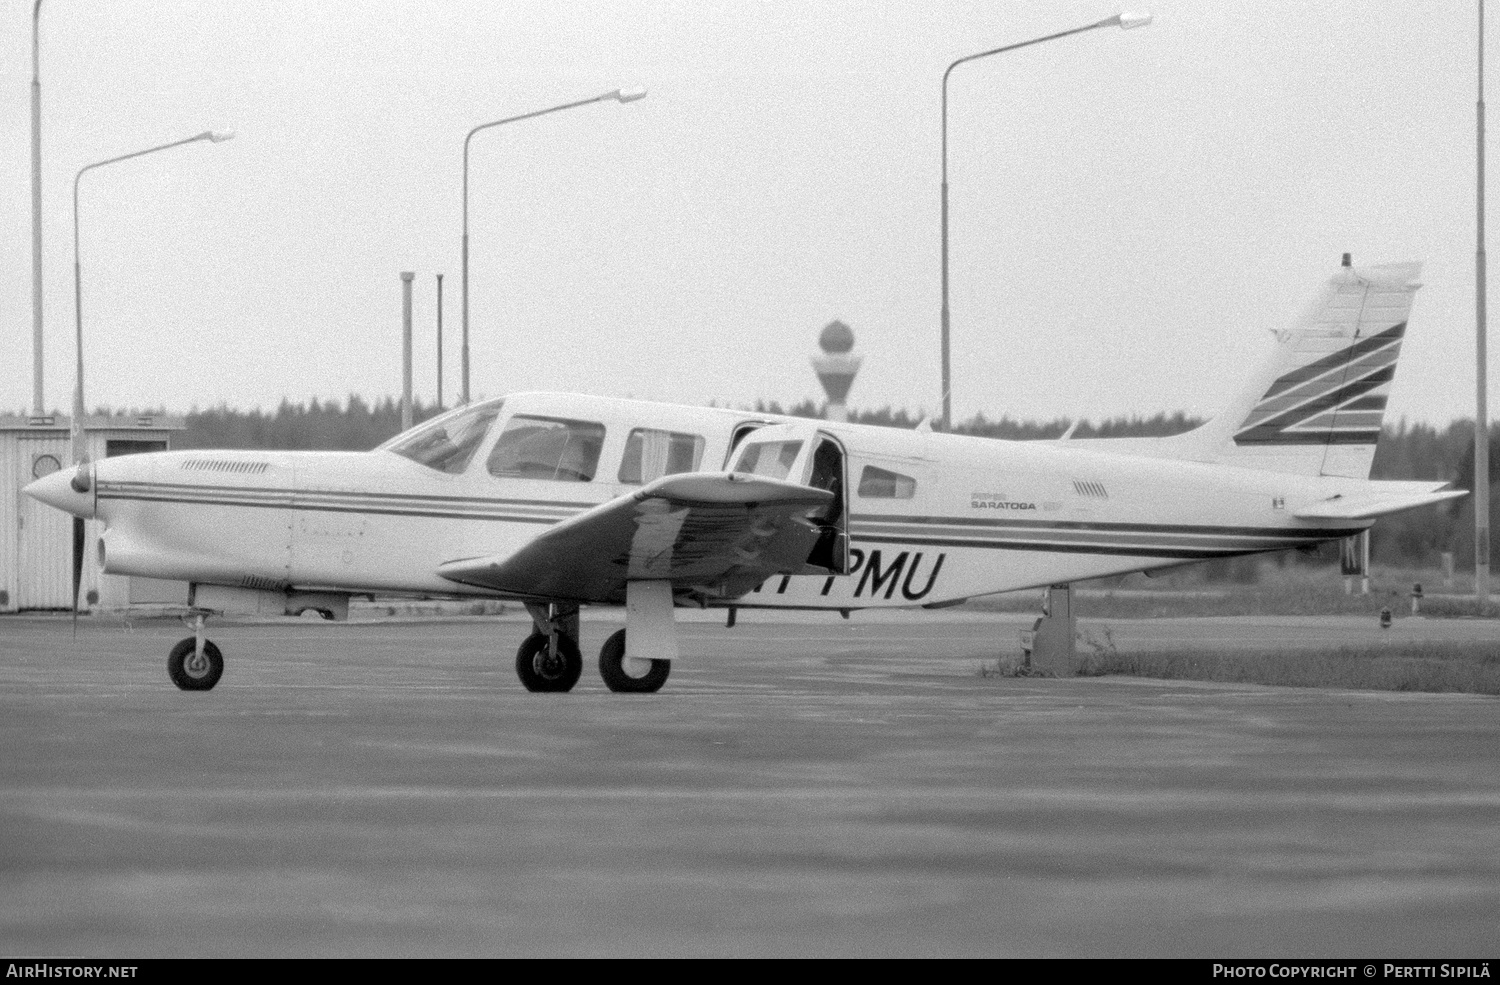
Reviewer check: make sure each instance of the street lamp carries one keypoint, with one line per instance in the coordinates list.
(76, 432)
(1481, 363)
(1125, 21)
(37, 406)
(619, 95)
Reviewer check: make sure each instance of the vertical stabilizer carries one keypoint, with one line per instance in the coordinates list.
(1316, 405)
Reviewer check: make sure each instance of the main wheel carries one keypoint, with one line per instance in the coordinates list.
(192, 672)
(617, 678)
(540, 671)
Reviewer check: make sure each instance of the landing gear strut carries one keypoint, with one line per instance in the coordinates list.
(549, 659)
(195, 664)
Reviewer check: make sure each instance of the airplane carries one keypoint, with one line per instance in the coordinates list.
(560, 501)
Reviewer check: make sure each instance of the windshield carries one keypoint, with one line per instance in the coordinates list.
(447, 443)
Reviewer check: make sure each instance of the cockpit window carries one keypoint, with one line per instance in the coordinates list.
(447, 443)
(651, 454)
(547, 448)
(772, 459)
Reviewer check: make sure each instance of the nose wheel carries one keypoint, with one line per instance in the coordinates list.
(192, 669)
(195, 664)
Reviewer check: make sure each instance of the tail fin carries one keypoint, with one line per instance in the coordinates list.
(1315, 406)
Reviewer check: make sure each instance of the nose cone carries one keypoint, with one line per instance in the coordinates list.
(57, 490)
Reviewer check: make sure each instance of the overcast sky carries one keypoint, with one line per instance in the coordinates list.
(1132, 212)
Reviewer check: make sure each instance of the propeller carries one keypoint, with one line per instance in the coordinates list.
(77, 568)
(81, 482)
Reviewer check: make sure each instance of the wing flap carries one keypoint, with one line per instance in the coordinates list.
(719, 534)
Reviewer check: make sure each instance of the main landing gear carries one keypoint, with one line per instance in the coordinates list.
(195, 664)
(618, 670)
(550, 660)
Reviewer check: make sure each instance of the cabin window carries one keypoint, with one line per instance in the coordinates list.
(447, 444)
(651, 454)
(875, 483)
(547, 448)
(771, 459)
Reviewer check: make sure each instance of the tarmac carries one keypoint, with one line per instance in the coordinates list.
(803, 786)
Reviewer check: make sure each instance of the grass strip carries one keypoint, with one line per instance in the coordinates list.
(1437, 667)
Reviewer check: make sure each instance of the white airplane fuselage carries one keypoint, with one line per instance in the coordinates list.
(968, 516)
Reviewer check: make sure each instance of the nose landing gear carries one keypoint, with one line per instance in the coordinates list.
(195, 664)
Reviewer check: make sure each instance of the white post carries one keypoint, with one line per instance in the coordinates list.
(406, 279)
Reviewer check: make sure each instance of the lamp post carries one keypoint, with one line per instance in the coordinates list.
(619, 95)
(1125, 21)
(37, 405)
(1481, 360)
(76, 431)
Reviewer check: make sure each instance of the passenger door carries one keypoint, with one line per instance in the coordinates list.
(829, 470)
(803, 454)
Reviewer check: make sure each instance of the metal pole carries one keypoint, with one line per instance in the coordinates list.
(75, 429)
(38, 405)
(440, 343)
(1120, 20)
(406, 279)
(1481, 417)
(464, 289)
(947, 371)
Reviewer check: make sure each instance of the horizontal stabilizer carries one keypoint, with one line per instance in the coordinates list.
(1382, 499)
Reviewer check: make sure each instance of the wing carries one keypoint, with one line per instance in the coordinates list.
(715, 534)
(1381, 499)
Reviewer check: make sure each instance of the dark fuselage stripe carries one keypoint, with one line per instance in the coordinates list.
(1055, 548)
(324, 508)
(925, 523)
(186, 489)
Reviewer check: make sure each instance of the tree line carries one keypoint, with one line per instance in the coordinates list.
(1416, 538)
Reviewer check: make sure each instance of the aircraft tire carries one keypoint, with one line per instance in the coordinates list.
(612, 669)
(191, 678)
(531, 664)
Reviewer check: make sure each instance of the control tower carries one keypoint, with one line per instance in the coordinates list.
(836, 367)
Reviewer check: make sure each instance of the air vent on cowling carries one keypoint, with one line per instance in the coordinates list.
(224, 465)
(262, 583)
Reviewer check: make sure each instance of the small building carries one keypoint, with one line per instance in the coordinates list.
(36, 541)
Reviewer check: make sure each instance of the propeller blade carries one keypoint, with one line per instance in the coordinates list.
(77, 568)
